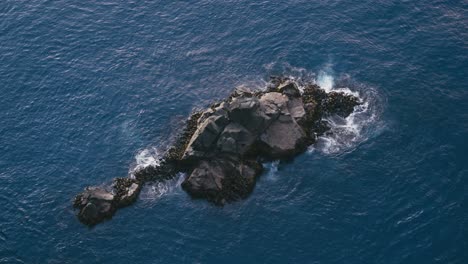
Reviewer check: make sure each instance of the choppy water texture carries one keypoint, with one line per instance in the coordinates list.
(91, 89)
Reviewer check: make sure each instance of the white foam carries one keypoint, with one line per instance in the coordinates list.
(272, 168)
(346, 133)
(154, 191)
(145, 158)
(325, 81)
(150, 157)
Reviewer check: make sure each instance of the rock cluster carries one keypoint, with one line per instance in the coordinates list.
(221, 148)
(96, 203)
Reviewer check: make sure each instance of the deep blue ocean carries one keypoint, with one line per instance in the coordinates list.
(89, 90)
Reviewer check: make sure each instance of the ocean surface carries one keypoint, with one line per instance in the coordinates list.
(91, 90)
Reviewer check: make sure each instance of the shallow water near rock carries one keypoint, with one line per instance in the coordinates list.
(92, 90)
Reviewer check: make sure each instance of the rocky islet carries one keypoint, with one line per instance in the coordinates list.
(221, 149)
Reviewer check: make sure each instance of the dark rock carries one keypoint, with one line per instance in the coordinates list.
(290, 89)
(246, 112)
(95, 204)
(275, 82)
(220, 148)
(126, 190)
(340, 104)
(222, 180)
(235, 139)
(176, 152)
(205, 137)
(219, 109)
(283, 138)
(166, 170)
(296, 109)
(273, 103)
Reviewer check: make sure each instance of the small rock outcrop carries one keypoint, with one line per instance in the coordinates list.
(222, 148)
(96, 204)
(222, 179)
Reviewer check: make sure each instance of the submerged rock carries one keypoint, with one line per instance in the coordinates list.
(221, 148)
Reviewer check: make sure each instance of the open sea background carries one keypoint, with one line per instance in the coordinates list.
(91, 89)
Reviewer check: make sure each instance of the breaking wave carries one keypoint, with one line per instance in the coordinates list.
(154, 191)
(344, 135)
(347, 133)
(272, 169)
(325, 81)
(145, 158)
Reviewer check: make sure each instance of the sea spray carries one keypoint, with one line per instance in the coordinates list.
(272, 170)
(347, 133)
(145, 158)
(325, 81)
(156, 190)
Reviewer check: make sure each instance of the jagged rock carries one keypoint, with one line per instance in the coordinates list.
(126, 190)
(221, 180)
(95, 204)
(340, 104)
(242, 90)
(242, 105)
(275, 82)
(175, 152)
(235, 139)
(283, 138)
(290, 89)
(205, 136)
(219, 109)
(246, 111)
(273, 104)
(131, 195)
(296, 109)
(164, 171)
(220, 148)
